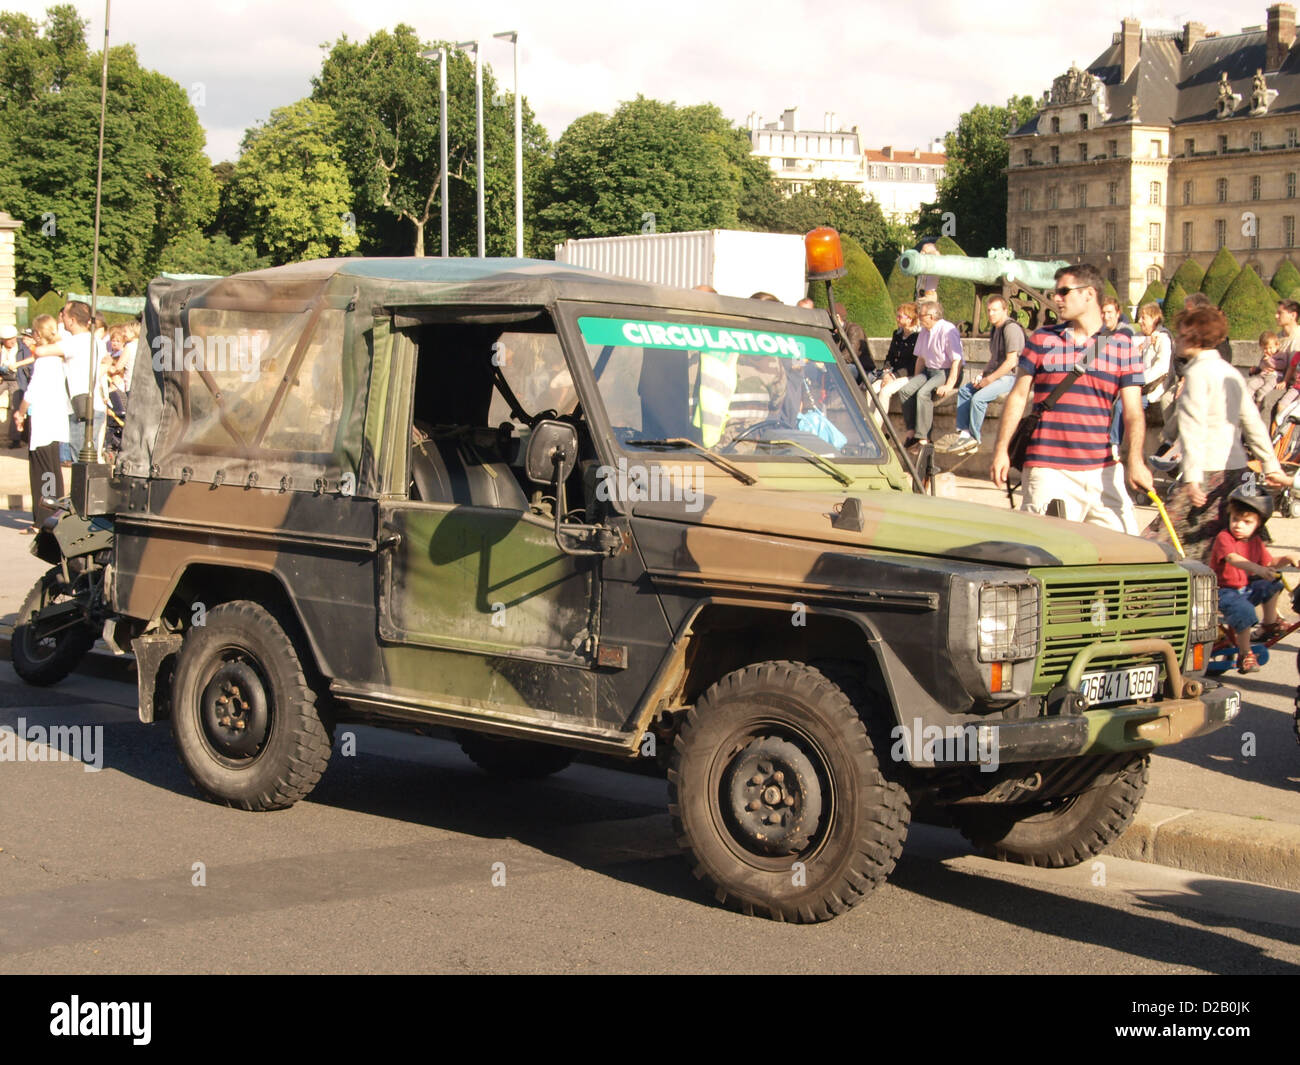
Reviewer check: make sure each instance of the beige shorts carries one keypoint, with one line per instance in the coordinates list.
(1097, 497)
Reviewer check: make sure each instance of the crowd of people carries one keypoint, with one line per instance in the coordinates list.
(49, 394)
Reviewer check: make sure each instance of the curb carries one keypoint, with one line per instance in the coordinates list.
(1199, 841)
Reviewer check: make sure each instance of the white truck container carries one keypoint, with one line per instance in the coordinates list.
(735, 262)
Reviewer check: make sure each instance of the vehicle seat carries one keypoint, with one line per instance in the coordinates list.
(430, 478)
(479, 478)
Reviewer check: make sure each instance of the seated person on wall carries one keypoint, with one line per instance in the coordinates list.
(1006, 342)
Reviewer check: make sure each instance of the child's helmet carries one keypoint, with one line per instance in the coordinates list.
(1248, 494)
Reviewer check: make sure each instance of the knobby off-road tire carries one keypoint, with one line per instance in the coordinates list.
(46, 661)
(781, 740)
(514, 759)
(1057, 833)
(243, 714)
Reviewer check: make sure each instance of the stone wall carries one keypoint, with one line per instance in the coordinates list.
(8, 227)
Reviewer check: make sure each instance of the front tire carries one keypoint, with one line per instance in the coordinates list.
(42, 659)
(1058, 833)
(777, 796)
(243, 715)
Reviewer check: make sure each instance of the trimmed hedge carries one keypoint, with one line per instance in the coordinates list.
(1189, 275)
(901, 287)
(1222, 272)
(1249, 305)
(862, 291)
(1172, 304)
(1286, 280)
(1155, 293)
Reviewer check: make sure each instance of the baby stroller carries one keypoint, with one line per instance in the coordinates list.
(1286, 446)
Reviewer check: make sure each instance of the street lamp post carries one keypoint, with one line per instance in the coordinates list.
(513, 37)
(478, 127)
(440, 54)
(89, 453)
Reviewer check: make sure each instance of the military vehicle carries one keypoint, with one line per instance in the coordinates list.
(553, 511)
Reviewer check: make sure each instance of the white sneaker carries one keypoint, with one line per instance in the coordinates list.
(958, 441)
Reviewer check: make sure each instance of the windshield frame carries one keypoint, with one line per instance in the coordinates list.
(568, 312)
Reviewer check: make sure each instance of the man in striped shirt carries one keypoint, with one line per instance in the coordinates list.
(1070, 456)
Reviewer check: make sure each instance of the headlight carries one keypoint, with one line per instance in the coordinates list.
(1008, 622)
(1205, 608)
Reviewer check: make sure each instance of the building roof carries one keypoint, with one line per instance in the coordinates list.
(897, 155)
(1173, 87)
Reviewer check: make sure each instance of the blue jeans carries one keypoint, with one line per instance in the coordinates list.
(917, 400)
(1237, 605)
(972, 405)
(1117, 420)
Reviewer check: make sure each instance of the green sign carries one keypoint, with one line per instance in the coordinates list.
(628, 332)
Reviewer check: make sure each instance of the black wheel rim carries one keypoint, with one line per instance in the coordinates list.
(773, 799)
(234, 709)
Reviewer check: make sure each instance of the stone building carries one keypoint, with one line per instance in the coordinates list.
(901, 180)
(798, 156)
(1168, 146)
(8, 227)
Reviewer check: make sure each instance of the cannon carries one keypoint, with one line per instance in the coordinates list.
(1025, 284)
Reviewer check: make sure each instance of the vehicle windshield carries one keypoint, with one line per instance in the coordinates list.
(747, 391)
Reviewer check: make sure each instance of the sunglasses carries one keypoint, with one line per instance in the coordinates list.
(1065, 290)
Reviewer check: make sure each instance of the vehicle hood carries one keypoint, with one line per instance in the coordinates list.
(911, 524)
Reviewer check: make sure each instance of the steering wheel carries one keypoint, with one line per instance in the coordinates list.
(753, 429)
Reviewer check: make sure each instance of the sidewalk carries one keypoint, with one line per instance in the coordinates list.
(1210, 807)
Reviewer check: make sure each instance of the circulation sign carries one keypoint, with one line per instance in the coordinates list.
(630, 332)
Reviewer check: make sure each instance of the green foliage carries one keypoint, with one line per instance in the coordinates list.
(974, 186)
(901, 287)
(385, 99)
(1249, 305)
(194, 253)
(49, 304)
(1155, 293)
(1220, 275)
(862, 291)
(1286, 280)
(291, 189)
(1189, 275)
(830, 203)
(1175, 297)
(157, 183)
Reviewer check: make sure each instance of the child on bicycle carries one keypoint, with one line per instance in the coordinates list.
(1243, 566)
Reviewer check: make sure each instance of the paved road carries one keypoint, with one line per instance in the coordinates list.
(389, 865)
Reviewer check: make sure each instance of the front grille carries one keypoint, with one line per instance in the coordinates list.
(1077, 613)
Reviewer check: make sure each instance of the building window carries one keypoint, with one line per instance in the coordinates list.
(1083, 153)
(1254, 237)
(1051, 240)
(1112, 149)
(1256, 141)
(1025, 242)
(1052, 197)
(1187, 193)
(1028, 155)
(1083, 121)
(1026, 200)
(907, 173)
(788, 163)
(1054, 153)
(1153, 274)
(1080, 195)
(1154, 194)
(1110, 236)
(1223, 143)
(1290, 186)
(1080, 239)
(1056, 125)
(1189, 147)
(1156, 148)
(1288, 231)
(1291, 141)
(1220, 233)
(1112, 194)
(1221, 190)
(1153, 236)
(1187, 236)
(1113, 274)
(889, 173)
(1254, 187)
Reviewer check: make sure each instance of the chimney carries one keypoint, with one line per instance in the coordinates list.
(1281, 33)
(787, 117)
(1130, 43)
(887, 151)
(1193, 34)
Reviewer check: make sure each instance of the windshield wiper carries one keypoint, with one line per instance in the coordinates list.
(816, 459)
(679, 442)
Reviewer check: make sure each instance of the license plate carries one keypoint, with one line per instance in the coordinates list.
(1120, 685)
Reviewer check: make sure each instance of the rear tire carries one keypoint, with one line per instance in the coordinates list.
(243, 715)
(777, 796)
(41, 661)
(1057, 833)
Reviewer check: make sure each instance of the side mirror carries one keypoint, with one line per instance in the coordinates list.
(550, 444)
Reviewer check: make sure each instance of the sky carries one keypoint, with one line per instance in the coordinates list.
(902, 73)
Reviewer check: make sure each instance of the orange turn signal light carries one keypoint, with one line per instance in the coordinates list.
(824, 253)
(1198, 656)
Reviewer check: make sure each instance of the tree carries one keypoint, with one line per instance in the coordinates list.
(1220, 275)
(290, 187)
(157, 182)
(1286, 280)
(1172, 304)
(195, 253)
(385, 99)
(862, 291)
(1249, 306)
(830, 203)
(1189, 275)
(1155, 293)
(902, 287)
(972, 194)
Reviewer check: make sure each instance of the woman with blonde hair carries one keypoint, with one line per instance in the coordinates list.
(900, 360)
